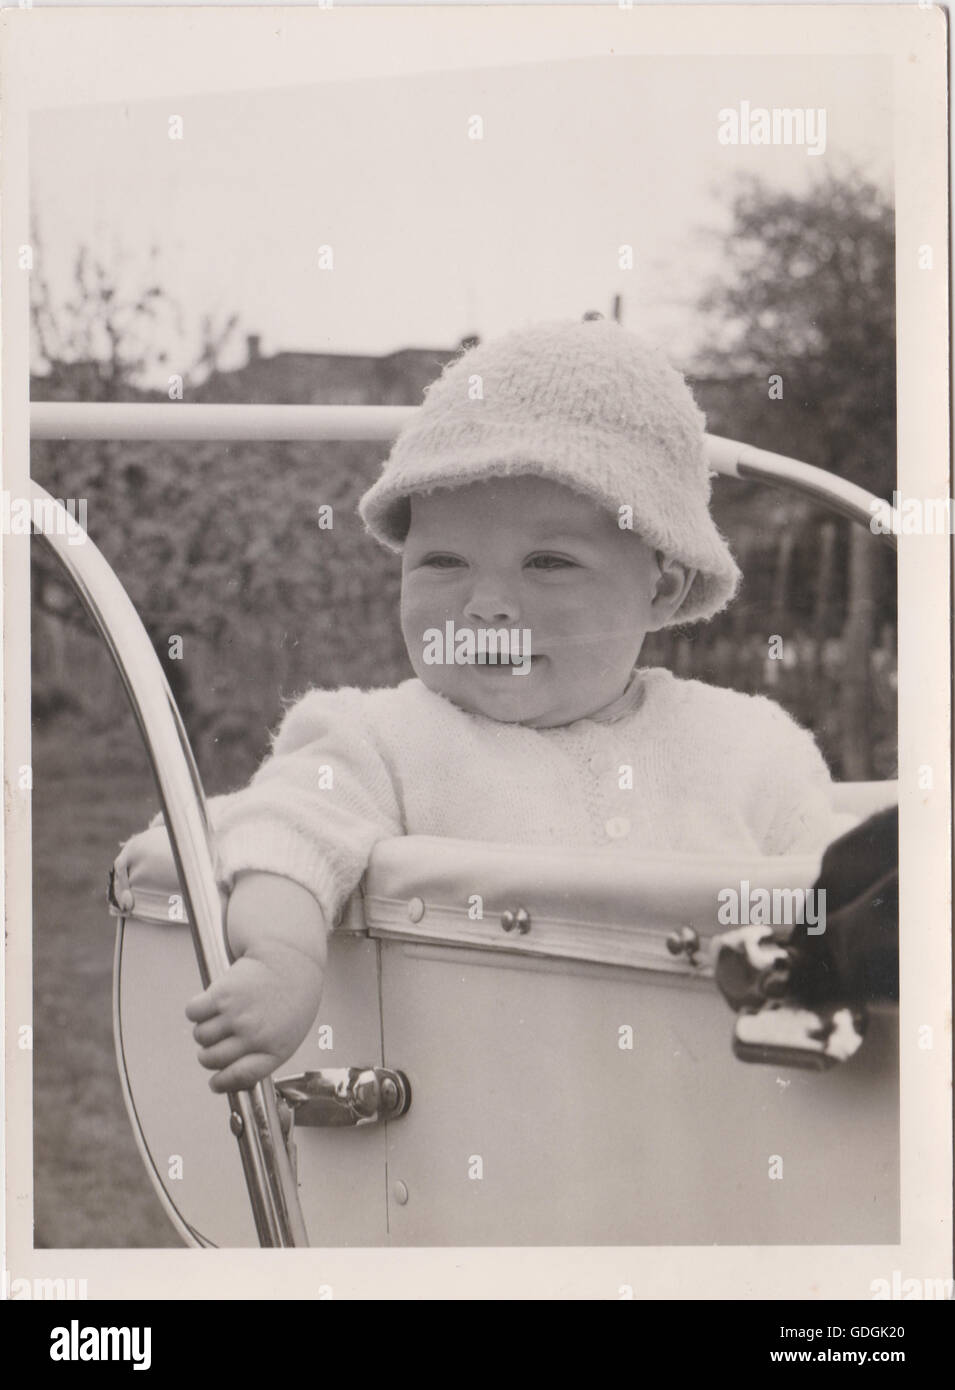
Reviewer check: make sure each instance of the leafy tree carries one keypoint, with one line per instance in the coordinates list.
(809, 295)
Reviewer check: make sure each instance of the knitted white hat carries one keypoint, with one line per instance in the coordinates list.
(586, 404)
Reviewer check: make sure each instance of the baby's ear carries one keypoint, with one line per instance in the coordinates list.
(672, 587)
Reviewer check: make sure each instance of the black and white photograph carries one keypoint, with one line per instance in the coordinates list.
(477, 526)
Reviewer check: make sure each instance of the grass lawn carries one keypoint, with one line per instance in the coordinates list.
(90, 1186)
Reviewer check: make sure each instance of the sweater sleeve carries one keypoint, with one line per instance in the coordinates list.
(801, 818)
(316, 806)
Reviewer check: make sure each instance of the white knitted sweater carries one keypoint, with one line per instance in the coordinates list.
(711, 769)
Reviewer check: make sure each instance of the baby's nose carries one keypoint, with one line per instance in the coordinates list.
(490, 603)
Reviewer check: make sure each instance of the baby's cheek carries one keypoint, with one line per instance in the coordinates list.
(415, 619)
(423, 607)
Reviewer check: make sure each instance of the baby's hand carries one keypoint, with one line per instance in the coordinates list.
(252, 1019)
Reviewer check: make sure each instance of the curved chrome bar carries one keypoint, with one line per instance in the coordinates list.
(734, 460)
(254, 1114)
(286, 423)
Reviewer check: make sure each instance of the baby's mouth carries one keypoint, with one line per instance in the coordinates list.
(517, 666)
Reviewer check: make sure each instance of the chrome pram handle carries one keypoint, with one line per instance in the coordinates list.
(253, 1115)
(116, 420)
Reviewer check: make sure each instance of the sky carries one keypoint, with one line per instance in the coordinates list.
(435, 235)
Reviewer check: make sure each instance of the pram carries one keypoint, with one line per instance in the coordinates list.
(556, 1071)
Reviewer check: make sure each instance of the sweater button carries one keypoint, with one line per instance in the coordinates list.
(415, 909)
(617, 828)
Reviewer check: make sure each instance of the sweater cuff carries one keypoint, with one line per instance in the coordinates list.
(262, 848)
(252, 848)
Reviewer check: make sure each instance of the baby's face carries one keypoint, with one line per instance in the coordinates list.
(528, 554)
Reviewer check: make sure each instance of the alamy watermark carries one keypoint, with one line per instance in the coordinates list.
(14, 1288)
(773, 125)
(745, 906)
(76, 1343)
(912, 516)
(483, 646)
(912, 1289)
(20, 516)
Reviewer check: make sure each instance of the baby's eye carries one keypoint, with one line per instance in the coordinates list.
(442, 562)
(546, 561)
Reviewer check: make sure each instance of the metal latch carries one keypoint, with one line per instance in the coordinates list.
(338, 1096)
(775, 1025)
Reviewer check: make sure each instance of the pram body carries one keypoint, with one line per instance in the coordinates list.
(571, 1085)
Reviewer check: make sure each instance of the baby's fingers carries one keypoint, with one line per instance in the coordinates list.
(202, 1007)
(213, 1030)
(244, 1074)
(223, 1053)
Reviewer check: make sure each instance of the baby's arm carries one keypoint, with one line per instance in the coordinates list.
(252, 1019)
(292, 847)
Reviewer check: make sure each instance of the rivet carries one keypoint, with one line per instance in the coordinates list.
(516, 919)
(236, 1124)
(415, 909)
(685, 942)
(400, 1193)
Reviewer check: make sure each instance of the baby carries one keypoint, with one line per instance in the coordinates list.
(550, 502)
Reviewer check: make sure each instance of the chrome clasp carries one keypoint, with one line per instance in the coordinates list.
(339, 1096)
